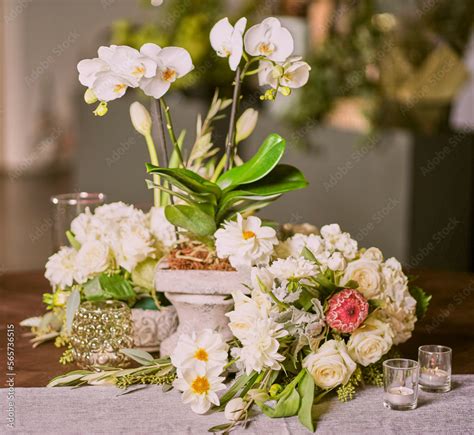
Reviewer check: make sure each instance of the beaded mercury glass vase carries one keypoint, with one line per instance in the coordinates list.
(99, 331)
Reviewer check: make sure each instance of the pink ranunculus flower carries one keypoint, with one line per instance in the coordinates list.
(347, 310)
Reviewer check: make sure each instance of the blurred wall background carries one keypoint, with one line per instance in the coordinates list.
(391, 160)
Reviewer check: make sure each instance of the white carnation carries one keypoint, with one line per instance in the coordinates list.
(161, 228)
(86, 227)
(131, 244)
(60, 268)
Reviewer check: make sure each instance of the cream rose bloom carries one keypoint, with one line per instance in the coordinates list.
(92, 258)
(370, 342)
(330, 365)
(368, 276)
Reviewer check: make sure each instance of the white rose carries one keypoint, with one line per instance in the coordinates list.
(92, 258)
(234, 409)
(336, 261)
(373, 254)
(367, 275)
(330, 365)
(370, 342)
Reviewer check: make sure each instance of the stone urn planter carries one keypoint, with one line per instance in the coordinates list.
(151, 327)
(201, 298)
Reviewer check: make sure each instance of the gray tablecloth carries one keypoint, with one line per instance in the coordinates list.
(104, 410)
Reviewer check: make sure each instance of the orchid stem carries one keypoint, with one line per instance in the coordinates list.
(230, 145)
(154, 160)
(169, 126)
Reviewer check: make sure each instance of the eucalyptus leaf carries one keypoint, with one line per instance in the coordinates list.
(68, 379)
(306, 391)
(261, 164)
(73, 302)
(140, 356)
(191, 218)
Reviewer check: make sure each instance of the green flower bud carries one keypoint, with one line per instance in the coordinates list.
(275, 389)
(101, 109)
(90, 96)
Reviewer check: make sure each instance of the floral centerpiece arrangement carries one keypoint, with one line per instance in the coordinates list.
(319, 314)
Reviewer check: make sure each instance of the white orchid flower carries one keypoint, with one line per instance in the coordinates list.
(109, 86)
(292, 74)
(172, 63)
(269, 39)
(227, 40)
(128, 63)
(88, 70)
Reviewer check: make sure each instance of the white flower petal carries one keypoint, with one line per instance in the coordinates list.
(88, 70)
(176, 58)
(154, 87)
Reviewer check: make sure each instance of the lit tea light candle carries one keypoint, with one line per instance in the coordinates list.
(434, 377)
(400, 396)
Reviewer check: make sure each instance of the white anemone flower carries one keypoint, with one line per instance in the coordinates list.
(204, 349)
(269, 39)
(245, 242)
(227, 40)
(199, 387)
(172, 63)
(60, 267)
(293, 74)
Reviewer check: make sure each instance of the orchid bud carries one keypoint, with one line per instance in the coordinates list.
(89, 96)
(275, 389)
(101, 109)
(246, 125)
(234, 409)
(141, 118)
(284, 90)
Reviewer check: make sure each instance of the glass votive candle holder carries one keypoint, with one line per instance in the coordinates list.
(67, 206)
(99, 330)
(435, 368)
(400, 377)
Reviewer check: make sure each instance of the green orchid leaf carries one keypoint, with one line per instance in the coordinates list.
(283, 178)
(246, 206)
(140, 356)
(191, 218)
(306, 391)
(185, 177)
(261, 164)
